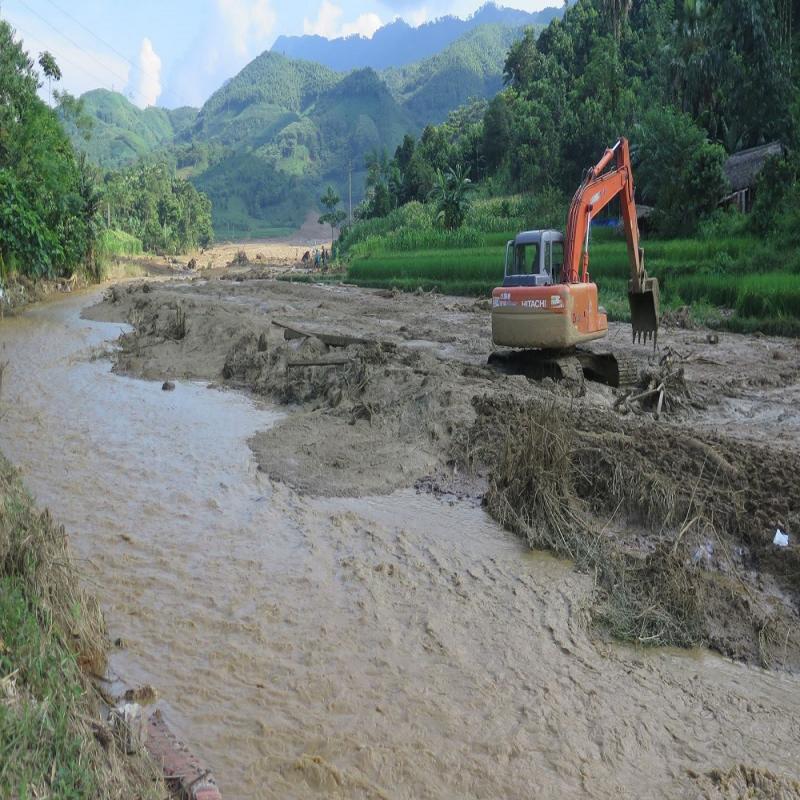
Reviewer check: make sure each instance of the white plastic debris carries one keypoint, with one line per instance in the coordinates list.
(781, 539)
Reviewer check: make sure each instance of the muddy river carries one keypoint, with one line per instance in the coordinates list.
(395, 646)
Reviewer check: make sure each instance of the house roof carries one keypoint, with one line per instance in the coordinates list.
(742, 168)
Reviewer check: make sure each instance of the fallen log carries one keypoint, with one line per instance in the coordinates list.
(317, 362)
(331, 339)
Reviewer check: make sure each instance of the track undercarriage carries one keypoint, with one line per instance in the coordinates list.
(570, 366)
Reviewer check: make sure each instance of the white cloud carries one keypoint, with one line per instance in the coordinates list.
(239, 31)
(365, 25)
(327, 23)
(246, 22)
(149, 75)
(417, 16)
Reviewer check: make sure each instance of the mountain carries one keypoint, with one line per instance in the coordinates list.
(122, 132)
(271, 172)
(267, 142)
(470, 67)
(398, 43)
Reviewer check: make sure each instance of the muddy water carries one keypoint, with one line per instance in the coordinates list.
(383, 647)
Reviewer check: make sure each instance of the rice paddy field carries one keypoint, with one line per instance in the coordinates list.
(735, 282)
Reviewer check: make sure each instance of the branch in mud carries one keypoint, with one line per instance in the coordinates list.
(659, 389)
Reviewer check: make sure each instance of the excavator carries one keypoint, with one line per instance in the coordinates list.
(547, 306)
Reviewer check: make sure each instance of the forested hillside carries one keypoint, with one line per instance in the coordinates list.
(689, 84)
(264, 145)
(469, 68)
(398, 43)
(122, 132)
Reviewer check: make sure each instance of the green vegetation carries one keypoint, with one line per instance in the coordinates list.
(49, 632)
(468, 68)
(149, 202)
(121, 132)
(47, 196)
(642, 69)
(58, 215)
(333, 216)
(724, 268)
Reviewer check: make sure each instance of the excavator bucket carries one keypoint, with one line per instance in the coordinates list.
(645, 308)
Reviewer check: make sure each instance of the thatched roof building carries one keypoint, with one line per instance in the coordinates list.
(742, 170)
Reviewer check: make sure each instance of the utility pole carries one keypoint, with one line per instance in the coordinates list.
(350, 180)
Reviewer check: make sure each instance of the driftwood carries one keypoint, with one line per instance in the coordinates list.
(317, 362)
(661, 388)
(331, 339)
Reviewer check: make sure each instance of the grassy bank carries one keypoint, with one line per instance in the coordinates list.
(730, 280)
(51, 636)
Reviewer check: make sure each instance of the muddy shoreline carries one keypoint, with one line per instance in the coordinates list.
(695, 496)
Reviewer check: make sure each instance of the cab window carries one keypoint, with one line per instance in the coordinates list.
(526, 259)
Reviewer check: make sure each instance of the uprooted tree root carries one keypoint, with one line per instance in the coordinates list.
(553, 475)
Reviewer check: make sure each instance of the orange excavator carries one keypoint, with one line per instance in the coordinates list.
(547, 303)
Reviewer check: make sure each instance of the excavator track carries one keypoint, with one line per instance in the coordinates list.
(569, 366)
(613, 369)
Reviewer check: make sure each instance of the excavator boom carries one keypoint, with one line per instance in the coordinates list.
(599, 187)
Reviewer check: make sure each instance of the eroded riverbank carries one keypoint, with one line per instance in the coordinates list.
(394, 646)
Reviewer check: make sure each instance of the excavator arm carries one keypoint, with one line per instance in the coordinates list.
(600, 186)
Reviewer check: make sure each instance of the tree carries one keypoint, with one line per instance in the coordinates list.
(496, 132)
(51, 70)
(333, 216)
(678, 170)
(450, 195)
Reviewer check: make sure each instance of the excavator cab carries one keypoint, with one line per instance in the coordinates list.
(534, 258)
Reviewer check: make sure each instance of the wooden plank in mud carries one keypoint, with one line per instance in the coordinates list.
(318, 362)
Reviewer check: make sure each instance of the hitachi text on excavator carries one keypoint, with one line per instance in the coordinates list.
(549, 306)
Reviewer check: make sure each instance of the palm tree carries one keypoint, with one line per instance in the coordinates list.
(450, 192)
(52, 72)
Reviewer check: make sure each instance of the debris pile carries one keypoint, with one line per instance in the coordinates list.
(660, 389)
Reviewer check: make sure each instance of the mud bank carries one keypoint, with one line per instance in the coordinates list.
(685, 508)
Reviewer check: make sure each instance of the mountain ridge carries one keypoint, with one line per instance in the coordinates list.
(398, 44)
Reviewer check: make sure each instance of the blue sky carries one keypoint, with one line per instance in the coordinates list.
(177, 52)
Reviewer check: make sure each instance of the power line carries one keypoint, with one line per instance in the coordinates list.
(72, 42)
(30, 36)
(101, 40)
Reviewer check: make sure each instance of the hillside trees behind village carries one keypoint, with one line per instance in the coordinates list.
(687, 82)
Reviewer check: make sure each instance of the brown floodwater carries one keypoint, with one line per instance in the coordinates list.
(396, 647)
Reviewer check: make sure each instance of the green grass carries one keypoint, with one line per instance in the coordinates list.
(117, 244)
(40, 751)
(705, 274)
(49, 630)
